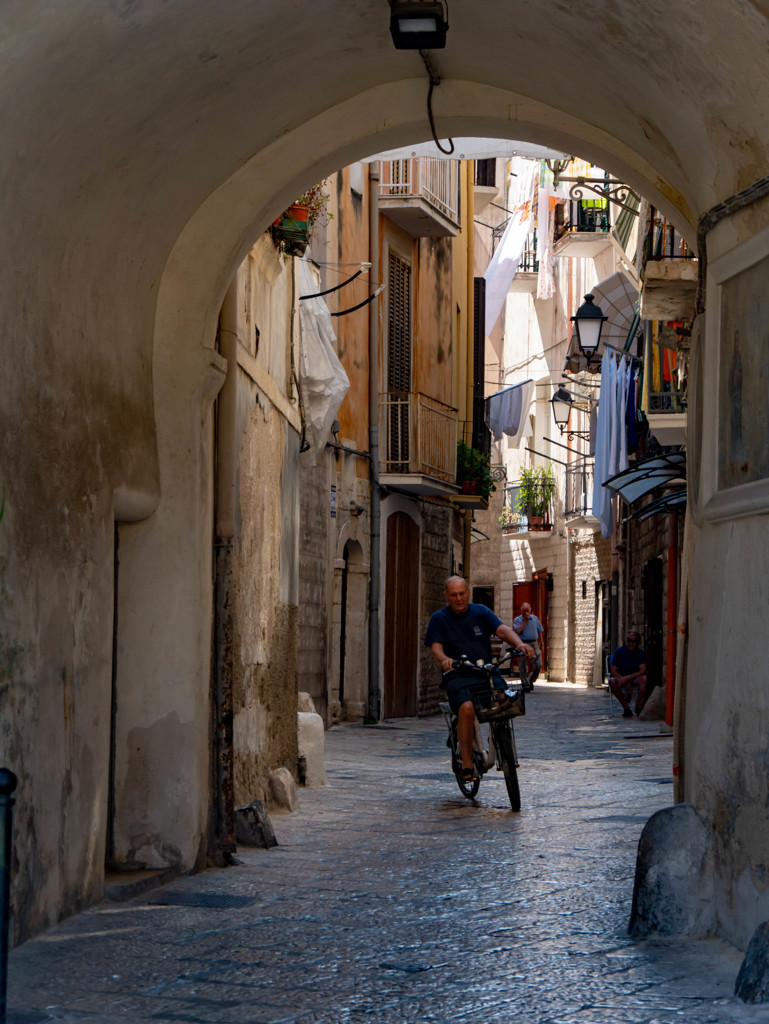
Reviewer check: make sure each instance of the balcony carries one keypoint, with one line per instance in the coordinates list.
(421, 195)
(513, 520)
(670, 274)
(578, 500)
(418, 444)
(667, 416)
(588, 230)
(527, 274)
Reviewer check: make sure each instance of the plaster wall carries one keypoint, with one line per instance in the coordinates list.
(259, 419)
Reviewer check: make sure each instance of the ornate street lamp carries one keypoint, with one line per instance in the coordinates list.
(561, 403)
(418, 24)
(588, 321)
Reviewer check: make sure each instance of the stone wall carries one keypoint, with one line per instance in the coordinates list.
(590, 556)
(314, 510)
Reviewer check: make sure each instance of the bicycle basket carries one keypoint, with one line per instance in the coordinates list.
(488, 706)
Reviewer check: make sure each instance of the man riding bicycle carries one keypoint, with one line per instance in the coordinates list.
(462, 628)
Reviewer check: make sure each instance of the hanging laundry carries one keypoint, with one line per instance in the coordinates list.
(602, 509)
(619, 425)
(630, 410)
(504, 263)
(507, 411)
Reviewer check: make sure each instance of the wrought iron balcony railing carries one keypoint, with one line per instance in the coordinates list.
(664, 242)
(418, 435)
(578, 500)
(514, 521)
(529, 263)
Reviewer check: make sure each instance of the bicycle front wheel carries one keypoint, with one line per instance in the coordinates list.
(503, 741)
(466, 787)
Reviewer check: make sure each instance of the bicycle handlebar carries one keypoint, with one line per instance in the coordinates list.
(489, 666)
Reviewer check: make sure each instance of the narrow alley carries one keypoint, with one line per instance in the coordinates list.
(390, 898)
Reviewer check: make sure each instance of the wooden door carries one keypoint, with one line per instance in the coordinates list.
(535, 593)
(401, 627)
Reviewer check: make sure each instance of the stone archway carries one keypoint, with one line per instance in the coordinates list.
(126, 209)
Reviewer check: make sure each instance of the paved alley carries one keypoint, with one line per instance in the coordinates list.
(390, 898)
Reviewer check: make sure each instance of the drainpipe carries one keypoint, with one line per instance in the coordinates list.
(469, 350)
(226, 504)
(670, 653)
(373, 445)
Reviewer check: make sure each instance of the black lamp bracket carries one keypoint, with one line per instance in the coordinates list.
(611, 189)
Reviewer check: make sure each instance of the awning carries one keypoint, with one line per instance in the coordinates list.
(617, 296)
(471, 149)
(646, 476)
(673, 502)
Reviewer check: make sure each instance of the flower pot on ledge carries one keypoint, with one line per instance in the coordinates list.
(291, 231)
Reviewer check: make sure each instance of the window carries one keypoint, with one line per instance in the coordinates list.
(486, 172)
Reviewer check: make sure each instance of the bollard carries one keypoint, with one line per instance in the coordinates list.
(7, 786)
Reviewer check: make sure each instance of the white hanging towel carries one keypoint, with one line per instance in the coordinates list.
(504, 263)
(322, 377)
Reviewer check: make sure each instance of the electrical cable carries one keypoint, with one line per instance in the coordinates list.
(434, 80)
(758, 190)
(334, 288)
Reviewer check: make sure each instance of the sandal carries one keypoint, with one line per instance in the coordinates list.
(468, 775)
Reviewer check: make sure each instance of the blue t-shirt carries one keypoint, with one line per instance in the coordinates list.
(628, 661)
(530, 631)
(467, 633)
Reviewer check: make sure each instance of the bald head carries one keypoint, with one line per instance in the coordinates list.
(456, 594)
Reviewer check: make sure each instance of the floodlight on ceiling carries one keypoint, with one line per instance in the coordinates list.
(418, 24)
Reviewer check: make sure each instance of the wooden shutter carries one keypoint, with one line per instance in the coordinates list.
(399, 361)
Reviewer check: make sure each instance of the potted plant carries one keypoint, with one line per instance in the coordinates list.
(474, 471)
(537, 487)
(464, 466)
(291, 232)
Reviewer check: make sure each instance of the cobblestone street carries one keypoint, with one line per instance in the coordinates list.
(390, 898)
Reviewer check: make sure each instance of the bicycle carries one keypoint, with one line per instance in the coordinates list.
(498, 708)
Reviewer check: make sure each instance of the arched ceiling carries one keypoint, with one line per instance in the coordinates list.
(143, 138)
(145, 107)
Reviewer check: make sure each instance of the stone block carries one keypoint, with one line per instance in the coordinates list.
(283, 789)
(253, 826)
(655, 706)
(674, 892)
(311, 742)
(752, 985)
(304, 703)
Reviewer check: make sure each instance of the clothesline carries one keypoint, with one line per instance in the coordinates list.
(509, 387)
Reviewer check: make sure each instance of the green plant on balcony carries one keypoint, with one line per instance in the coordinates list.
(474, 471)
(537, 487)
(291, 232)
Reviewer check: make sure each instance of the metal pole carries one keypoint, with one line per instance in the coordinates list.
(7, 786)
(374, 686)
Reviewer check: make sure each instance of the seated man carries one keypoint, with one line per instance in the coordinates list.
(460, 629)
(530, 629)
(628, 668)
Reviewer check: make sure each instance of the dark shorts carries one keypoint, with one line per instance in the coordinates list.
(459, 689)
